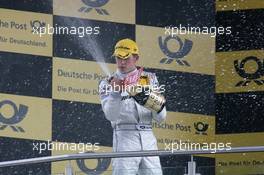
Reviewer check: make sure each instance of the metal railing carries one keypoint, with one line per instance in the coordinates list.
(127, 154)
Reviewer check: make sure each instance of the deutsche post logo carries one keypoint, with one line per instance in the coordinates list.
(201, 128)
(248, 77)
(18, 116)
(102, 165)
(177, 55)
(37, 26)
(94, 4)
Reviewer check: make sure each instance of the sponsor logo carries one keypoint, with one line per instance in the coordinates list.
(255, 77)
(102, 165)
(37, 26)
(94, 4)
(19, 114)
(177, 55)
(201, 128)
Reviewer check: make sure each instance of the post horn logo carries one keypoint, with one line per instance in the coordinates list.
(18, 116)
(249, 77)
(94, 4)
(37, 25)
(185, 48)
(102, 165)
(201, 128)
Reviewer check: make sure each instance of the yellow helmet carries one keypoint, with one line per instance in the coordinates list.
(125, 48)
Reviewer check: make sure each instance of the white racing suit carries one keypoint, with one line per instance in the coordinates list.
(132, 129)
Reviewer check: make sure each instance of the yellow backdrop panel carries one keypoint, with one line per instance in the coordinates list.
(77, 80)
(31, 116)
(201, 57)
(233, 5)
(114, 11)
(17, 34)
(227, 77)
